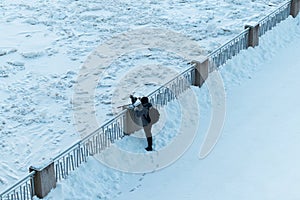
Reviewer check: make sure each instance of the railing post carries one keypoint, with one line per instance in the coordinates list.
(200, 72)
(131, 122)
(253, 38)
(295, 7)
(44, 180)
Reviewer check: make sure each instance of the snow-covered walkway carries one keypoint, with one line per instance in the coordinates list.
(257, 154)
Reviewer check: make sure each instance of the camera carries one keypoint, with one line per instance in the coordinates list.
(133, 99)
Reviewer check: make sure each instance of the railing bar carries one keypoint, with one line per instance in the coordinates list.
(61, 168)
(67, 164)
(72, 162)
(17, 195)
(25, 192)
(21, 192)
(31, 188)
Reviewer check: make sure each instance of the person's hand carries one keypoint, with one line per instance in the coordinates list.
(130, 107)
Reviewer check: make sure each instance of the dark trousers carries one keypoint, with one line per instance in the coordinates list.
(147, 130)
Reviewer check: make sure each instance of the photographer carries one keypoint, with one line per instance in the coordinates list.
(143, 113)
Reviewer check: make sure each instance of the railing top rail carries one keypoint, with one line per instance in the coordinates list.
(244, 32)
(275, 10)
(104, 124)
(181, 73)
(11, 188)
(66, 151)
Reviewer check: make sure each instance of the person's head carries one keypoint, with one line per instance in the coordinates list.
(144, 100)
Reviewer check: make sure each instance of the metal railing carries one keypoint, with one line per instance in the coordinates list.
(275, 17)
(173, 88)
(92, 144)
(113, 129)
(231, 48)
(22, 190)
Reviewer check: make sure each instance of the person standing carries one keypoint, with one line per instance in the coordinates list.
(143, 113)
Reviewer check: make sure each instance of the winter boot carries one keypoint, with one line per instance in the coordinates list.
(149, 140)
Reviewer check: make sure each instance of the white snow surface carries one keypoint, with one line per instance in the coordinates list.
(43, 45)
(256, 156)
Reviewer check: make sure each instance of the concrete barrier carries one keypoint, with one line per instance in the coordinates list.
(200, 72)
(253, 39)
(44, 180)
(295, 7)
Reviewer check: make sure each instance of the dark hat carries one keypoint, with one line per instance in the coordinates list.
(144, 100)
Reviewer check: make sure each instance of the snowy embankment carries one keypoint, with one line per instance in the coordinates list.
(44, 43)
(256, 156)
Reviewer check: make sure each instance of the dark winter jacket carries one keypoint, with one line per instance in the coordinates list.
(143, 113)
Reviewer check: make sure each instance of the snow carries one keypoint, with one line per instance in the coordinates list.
(43, 45)
(256, 156)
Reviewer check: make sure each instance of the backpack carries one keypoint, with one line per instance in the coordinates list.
(153, 115)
